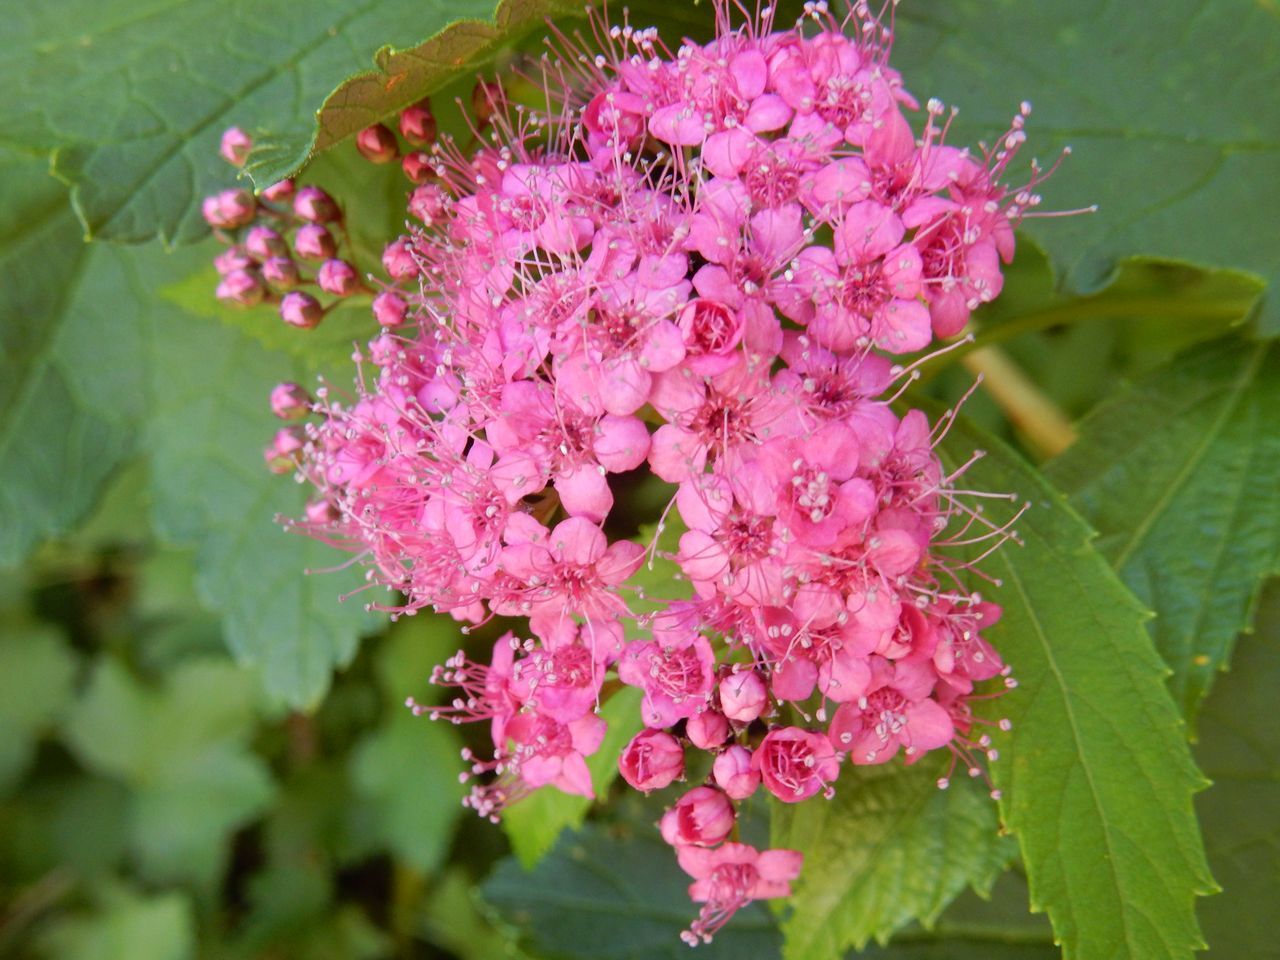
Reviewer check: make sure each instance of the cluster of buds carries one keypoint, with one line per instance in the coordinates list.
(703, 264)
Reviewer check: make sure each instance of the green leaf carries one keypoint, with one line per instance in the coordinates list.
(973, 928)
(211, 420)
(1178, 474)
(535, 823)
(407, 769)
(183, 751)
(616, 897)
(134, 97)
(1097, 778)
(1239, 749)
(403, 76)
(889, 848)
(1182, 166)
(36, 672)
(71, 386)
(128, 926)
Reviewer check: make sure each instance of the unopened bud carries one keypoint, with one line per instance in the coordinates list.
(338, 277)
(321, 512)
(398, 261)
(417, 166)
(285, 450)
(315, 205)
(389, 308)
(241, 287)
(301, 310)
(231, 259)
(279, 191)
(235, 146)
(264, 243)
(314, 242)
(707, 729)
(487, 99)
(281, 273)
(743, 696)
(290, 401)
(733, 773)
(418, 124)
(377, 144)
(229, 209)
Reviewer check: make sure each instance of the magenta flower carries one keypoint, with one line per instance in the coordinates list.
(795, 764)
(729, 877)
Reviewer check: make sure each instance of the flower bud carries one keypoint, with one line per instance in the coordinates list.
(417, 167)
(285, 450)
(229, 209)
(301, 310)
(235, 146)
(232, 258)
(314, 205)
(290, 401)
(707, 729)
(281, 272)
(743, 696)
(321, 512)
(377, 144)
(338, 277)
(487, 99)
(428, 203)
(398, 261)
(652, 760)
(263, 243)
(241, 287)
(389, 308)
(418, 124)
(733, 773)
(279, 191)
(702, 817)
(314, 242)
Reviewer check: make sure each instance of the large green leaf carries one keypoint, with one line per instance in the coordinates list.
(974, 928)
(889, 848)
(403, 76)
(36, 672)
(209, 425)
(182, 750)
(1171, 113)
(1178, 474)
(133, 97)
(70, 361)
(621, 896)
(126, 926)
(1097, 778)
(1239, 749)
(407, 768)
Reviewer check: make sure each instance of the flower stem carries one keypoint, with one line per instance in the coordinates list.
(1046, 428)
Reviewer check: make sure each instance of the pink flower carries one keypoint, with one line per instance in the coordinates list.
(675, 674)
(729, 877)
(707, 729)
(795, 764)
(548, 752)
(702, 817)
(574, 571)
(896, 712)
(652, 760)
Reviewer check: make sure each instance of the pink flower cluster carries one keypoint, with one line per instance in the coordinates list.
(691, 263)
